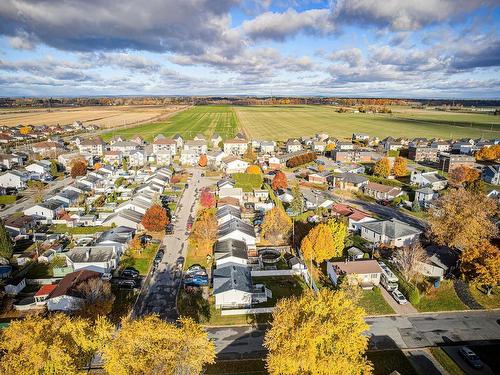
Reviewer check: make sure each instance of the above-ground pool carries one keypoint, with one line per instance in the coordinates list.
(270, 256)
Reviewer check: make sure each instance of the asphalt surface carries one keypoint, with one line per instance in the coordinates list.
(28, 198)
(405, 332)
(159, 292)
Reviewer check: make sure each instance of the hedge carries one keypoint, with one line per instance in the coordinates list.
(410, 291)
(301, 159)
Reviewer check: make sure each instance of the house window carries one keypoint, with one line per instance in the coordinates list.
(374, 275)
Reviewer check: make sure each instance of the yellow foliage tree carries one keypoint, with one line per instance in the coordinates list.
(329, 147)
(382, 168)
(276, 225)
(153, 346)
(339, 234)
(25, 130)
(482, 264)
(317, 334)
(253, 169)
(57, 344)
(318, 244)
(462, 219)
(488, 153)
(400, 168)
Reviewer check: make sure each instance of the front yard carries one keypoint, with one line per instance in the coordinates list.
(248, 182)
(443, 298)
(140, 260)
(7, 199)
(488, 302)
(374, 303)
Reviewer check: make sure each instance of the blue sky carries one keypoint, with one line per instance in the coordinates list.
(375, 48)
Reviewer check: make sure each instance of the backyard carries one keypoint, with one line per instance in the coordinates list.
(248, 182)
(281, 287)
(62, 228)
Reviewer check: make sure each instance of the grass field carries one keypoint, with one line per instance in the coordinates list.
(105, 117)
(206, 120)
(443, 298)
(281, 122)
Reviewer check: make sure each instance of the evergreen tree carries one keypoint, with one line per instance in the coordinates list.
(6, 246)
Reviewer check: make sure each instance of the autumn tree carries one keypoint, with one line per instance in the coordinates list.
(339, 234)
(297, 204)
(155, 219)
(318, 244)
(253, 169)
(97, 298)
(78, 168)
(463, 174)
(204, 232)
(53, 344)
(150, 346)
(276, 226)
(461, 219)
(54, 169)
(207, 198)
(318, 333)
(481, 264)
(6, 245)
(330, 147)
(400, 168)
(382, 168)
(488, 153)
(203, 161)
(279, 181)
(408, 259)
(250, 154)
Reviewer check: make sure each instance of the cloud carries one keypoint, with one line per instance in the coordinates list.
(476, 55)
(22, 41)
(280, 26)
(352, 56)
(403, 14)
(186, 26)
(122, 60)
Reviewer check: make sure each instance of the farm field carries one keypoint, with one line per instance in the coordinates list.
(106, 117)
(205, 119)
(282, 122)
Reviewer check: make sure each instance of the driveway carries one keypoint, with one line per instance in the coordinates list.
(159, 294)
(399, 309)
(28, 197)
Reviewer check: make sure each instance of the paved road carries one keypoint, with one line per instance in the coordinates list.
(160, 291)
(405, 332)
(452, 351)
(29, 196)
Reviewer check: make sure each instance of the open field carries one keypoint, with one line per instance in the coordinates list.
(282, 122)
(206, 120)
(106, 117)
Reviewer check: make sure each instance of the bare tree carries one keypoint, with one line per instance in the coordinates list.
(408, 258)
(97, 298)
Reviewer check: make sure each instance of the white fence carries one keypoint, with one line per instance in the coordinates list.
(264, 273)
(257, 310)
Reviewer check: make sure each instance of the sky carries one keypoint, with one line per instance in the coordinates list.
(358, 48)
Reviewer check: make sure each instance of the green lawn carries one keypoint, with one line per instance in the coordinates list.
(386, 361)
(443, 298)
(141, 261)
(488, 302)
(282, 122)
(374, 303)
(61, 228)
(203, 119)
(7, 199)
(444, 359)
(281, 287)
(248, 182)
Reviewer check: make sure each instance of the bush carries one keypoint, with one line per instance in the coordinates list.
(301, 159)
(410, 291)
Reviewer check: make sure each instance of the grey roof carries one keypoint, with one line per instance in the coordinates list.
(352, 178)
(228, 210)
(441, 257)
(90, 254)
(433, 177)
(224, 181)
(232, 277)
(131, 215)
(119, 234)
(234, 225)
(391, 228)
(230, 247)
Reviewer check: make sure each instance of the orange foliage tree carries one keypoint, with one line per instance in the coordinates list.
(203, 161)
(253, 169)
(155, 219)
(78, 168)
(462, 174)
(279, 181)
(488, 153)
(400, 168)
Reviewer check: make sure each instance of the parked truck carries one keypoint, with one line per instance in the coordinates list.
(388, 279)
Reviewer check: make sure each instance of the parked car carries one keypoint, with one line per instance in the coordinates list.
(399, 297)
(106, 276)
(196, 280)
(127, 284)
(179, 262)
(129, 274)
(169, 229)
(186, 186)
(383, 202)
(471, 357)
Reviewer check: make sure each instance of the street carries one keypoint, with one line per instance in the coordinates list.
(159, 292)
(404, 332)
(28, 197)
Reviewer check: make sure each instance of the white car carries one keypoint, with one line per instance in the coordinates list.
(106, 276)
(399, 297)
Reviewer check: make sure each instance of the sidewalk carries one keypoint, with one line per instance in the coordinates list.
(424, 363)
(400, 309)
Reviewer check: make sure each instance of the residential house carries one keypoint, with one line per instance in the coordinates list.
(230, 251)
(390, 232)
(267, 147)
(491, 174)
(113, 158)
(137, 139)
(322, 178)
(118, 237)
(198, 146)
(102, 259)
(19, 225)
(116, 138)
(228, 201)
(66, 160)
(235, 147)
(236, 193)
(137, 158)
(261, 194)
(432, 179)
(225, 183)
(43, 294)
(39, 167)
(274, 163)
(424, 196)
(135, 204)
(441, 146)
(360, 137)
(233, 164)
(199, 137)
(232, 286)
(447, 162)
(349, 181)
(237, 230)
(227, 213)
(95, 146)
(10, 161)
(354, 216)
(47, 210)
(318, 147)
(353, 156)
(47, 148)
(126, 218)
(214, 158)
(379, 191)
(344, 146)
(179, 141)
(189, 157)
(14, 179)
(423, 153)
(315, 200)
(293, 145)
(66, 296)
(365, 273)
(391, 144)
(163, 157)
(215, 139)
(65, 198)
(167, 145)
(125, 147)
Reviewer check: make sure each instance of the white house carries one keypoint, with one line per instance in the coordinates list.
(179, 141)
(163, 157)
(293, 145)
(215, 139)
(14, 179)
(39, 168)
(137, 158)
(102, 259)
(189, 157)
(125, 147)
(232, 286)
(230, 251)
(199, 146)
(432, 179)
(267, 147)
(365, 273)
(47, 210)
(227, 213)
(214, 158)
(127, 218)
(236, 193)
(235, 147)
(95, 146)
(237, 230)
(135, 204)
(113, 157)
(390, 232)
(65, 297)
(232, 164)
(424, 196)
(165, 145)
